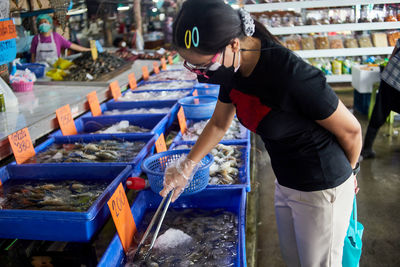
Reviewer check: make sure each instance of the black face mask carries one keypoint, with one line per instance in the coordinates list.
(222, 76)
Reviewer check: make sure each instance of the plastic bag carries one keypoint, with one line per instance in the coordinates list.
(56, 74)
(62, 64)
(23, 76)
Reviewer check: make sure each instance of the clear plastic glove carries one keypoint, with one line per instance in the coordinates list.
(178, 176)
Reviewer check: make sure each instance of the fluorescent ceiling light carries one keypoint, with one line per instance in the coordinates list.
(154, 9)
(76, 12)
(123, 8)
(235, 6)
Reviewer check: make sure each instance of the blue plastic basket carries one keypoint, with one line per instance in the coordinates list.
(244, 170)
(60, 225)
(198, 107)
(207, 89)
(36, 68)
(233, 200)
(154, 166)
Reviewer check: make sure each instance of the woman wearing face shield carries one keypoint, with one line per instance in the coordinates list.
(313, 140)
(47, 45)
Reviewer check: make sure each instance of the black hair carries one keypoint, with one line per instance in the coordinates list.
(217, 23)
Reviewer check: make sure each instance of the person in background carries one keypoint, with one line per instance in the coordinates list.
(47, 44)
(313, 140)
(168, 30)
(388, 100)
(136, 40)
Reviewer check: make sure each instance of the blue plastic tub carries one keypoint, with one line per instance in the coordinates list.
(154, 167)
(198, 107)
(207, 89)
(233, 200)
(86, 125)
(122, 106)
(244, 170)
(60, 225)
(136, 161)
(36, 68)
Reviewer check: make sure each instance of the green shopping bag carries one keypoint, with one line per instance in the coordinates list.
(352, 242)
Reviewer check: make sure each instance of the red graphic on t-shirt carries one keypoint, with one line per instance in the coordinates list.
(249, 109)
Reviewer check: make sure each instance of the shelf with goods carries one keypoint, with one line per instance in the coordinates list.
(328, 29)
(345, 52)
(369, 26)
(312, 4)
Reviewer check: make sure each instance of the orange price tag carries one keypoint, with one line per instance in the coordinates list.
(66, 121)
(115, 90)
(163, 64)
(94, 103)
(21, 145)
(156, 68)
(170, 60)
(145, 73)
(182, 120)
(160, 144)
(7, 30)
(122, 217)
(196, 100)
(132, 81)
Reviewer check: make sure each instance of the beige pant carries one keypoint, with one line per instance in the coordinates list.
(312, 225)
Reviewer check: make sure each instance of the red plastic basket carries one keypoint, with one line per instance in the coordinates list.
(22, 86)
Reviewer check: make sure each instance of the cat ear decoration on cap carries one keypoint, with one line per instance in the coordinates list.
(247, 22)
(192, 37)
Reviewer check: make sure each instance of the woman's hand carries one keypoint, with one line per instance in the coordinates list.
(178, 176)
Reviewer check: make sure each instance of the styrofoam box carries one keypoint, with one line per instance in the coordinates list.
(364, 77)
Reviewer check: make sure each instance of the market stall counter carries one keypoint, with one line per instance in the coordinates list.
(36, 109)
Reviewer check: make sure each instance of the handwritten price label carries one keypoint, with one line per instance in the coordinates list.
(115, 90)
(170, 60)
(94, 104)
(7, 30)
(145, 73)
(182, 120)
(21, 145)
(66, 121)
(132, 81)
(156, 68)
(163, 64)
(122, 216)
(160, 144)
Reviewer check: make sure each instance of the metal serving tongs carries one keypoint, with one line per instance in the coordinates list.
(153, 220)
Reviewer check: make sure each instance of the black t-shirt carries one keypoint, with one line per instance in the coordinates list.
(280, 101)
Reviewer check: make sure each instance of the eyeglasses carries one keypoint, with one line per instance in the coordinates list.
(202, 70)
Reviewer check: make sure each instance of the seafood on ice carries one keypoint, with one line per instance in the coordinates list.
(137, 111)
(227, 161)
(173, 75)
(103, 151)
(191, 238)
(235, 131)
(166, 85)
(67, 195)
(148, 96)
(121, 127)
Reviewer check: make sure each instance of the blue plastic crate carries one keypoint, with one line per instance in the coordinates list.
(135, 163)
(361, 102)
(86, 125)
(60, 225)
(189, 123)
(233, 200)
(171, 70)
(207, 89)
(198, 107)
(122, 106)
(36, 68)
(244, 170)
